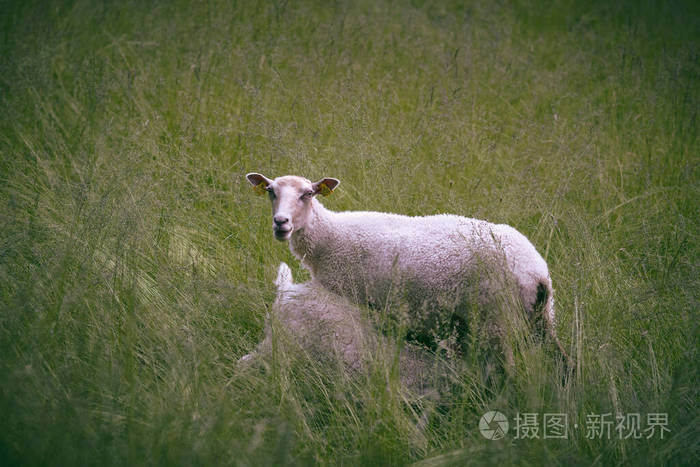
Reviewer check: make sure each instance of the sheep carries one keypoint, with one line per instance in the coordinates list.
(318, 321)
(327, 326)
(435, 263)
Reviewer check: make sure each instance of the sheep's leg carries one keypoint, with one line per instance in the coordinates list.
(553, 343)
(566, 360)
(543, 317)
(548, 335)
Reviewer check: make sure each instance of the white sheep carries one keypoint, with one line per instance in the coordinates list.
(328, 326)
(439, 262)
(319, 321)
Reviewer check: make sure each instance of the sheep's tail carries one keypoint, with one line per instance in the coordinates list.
(545, 322)
(284, 279)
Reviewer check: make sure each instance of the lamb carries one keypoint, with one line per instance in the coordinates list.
(322, 323)
(328, 326)
(434, 263)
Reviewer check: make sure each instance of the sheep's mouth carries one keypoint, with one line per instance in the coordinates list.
(282, 234)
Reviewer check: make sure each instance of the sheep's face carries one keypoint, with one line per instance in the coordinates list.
(291, 198)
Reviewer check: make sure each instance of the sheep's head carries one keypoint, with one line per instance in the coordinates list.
(291, 200)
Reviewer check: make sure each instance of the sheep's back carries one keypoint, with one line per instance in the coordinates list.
(432, 258)
(322, 321)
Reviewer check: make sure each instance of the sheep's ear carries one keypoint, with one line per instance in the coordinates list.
(259, 182)
(284, 277)
(325, 186)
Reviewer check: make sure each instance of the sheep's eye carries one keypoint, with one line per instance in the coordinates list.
(307, 195)
(271, 192)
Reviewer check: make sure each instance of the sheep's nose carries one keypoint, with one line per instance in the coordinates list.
(280, 220)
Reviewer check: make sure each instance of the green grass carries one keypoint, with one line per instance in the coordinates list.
(136, 265)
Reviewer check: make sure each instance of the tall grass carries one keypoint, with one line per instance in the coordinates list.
(136, 265)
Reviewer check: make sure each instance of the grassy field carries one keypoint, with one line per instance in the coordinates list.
(136, 264)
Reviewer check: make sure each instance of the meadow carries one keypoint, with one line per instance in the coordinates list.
(136, 264)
